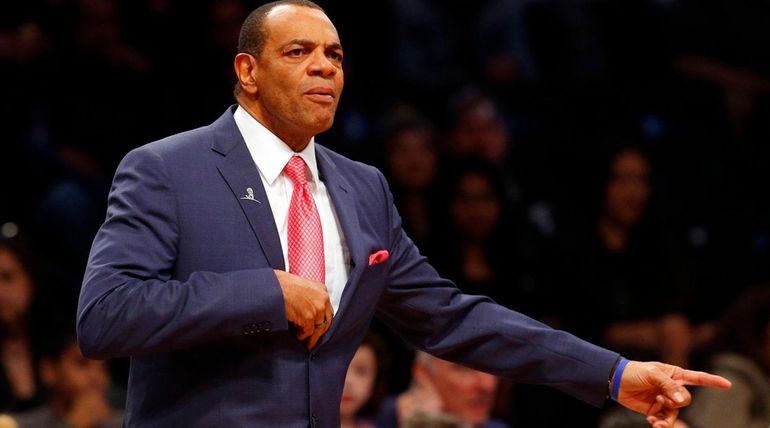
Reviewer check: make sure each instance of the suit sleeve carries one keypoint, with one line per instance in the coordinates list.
(129, 302)
(433, 315)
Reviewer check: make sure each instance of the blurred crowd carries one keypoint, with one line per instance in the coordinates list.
(595, 164)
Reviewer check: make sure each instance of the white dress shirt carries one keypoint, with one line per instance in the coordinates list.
(270, 154)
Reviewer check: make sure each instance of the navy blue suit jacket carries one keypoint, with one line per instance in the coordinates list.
(180, 278)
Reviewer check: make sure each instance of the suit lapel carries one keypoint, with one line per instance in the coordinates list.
(240, 173)
(341, 193)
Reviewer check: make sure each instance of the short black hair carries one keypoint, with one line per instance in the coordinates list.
(253, 34)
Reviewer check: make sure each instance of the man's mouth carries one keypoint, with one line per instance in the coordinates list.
(321, 95)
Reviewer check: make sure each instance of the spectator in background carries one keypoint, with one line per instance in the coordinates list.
(19, 386)
(76, 387)
(742, 353)
(481, 129)
(474, 252)
(616, 252)
(620, 255)
(84, 133)
(364, 384)
(439, 386)
(485, 251)
(412, 163)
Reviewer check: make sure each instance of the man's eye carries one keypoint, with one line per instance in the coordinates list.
(295, 52)
(336, 56)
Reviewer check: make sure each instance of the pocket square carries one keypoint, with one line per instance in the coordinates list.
(378, 257)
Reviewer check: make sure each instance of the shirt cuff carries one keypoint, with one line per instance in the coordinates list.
(617, 375)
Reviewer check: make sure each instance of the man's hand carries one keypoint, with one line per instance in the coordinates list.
(421, 396)
(658, 391)
(308, 306)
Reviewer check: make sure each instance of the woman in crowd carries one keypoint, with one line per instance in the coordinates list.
(19, 386)
(364, 384)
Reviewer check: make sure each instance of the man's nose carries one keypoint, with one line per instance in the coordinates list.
(485, 381)
(321, 65)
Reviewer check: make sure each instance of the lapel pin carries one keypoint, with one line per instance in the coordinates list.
(250, 195)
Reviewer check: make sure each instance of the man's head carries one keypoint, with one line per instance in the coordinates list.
(466, 393)
(628, 188)
(289, 69)
(66, 373)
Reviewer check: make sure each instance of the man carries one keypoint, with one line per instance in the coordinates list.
(442, 386)
(188, 275)
(77, 389)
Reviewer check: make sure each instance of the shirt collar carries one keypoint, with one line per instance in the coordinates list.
(269, 152)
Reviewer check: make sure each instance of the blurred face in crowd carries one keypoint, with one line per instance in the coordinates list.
(412, 158)
(628, 189)
(476, 208)
(15, 288)
(72, 375)
(359, 381)
(481, 131)
(297, 79)
(465, 393)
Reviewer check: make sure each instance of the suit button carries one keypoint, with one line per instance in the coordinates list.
(267, 326)
(313, 421)
(245, 330)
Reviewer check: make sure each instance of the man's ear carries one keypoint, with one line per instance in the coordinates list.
(246, 70)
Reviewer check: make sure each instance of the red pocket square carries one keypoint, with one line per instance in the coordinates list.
(378, 257)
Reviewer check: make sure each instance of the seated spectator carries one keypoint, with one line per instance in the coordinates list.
(620, 256)
(442, 386)
(76, 387)
(483, 250)
(473, 253)
(364, 384)
(742, 354)
(411, 163)
(19, 388)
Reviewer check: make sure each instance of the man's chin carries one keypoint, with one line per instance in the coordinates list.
(323, 125)
(477, 418)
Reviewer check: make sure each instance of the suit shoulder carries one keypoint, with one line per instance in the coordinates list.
(349, 165)
(180, 142)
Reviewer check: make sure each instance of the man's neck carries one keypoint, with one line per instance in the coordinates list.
(296, 141)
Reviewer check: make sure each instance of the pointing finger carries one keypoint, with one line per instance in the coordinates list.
(691, 377)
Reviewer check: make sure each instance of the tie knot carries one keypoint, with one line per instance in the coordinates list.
(295, 170)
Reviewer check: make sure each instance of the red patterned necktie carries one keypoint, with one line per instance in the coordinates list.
(306, 241)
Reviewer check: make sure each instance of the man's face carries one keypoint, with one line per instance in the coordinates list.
(465, 393)
(72, 375)
(15, 288)
(299, 74)
(359, 381)
(628, 190)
